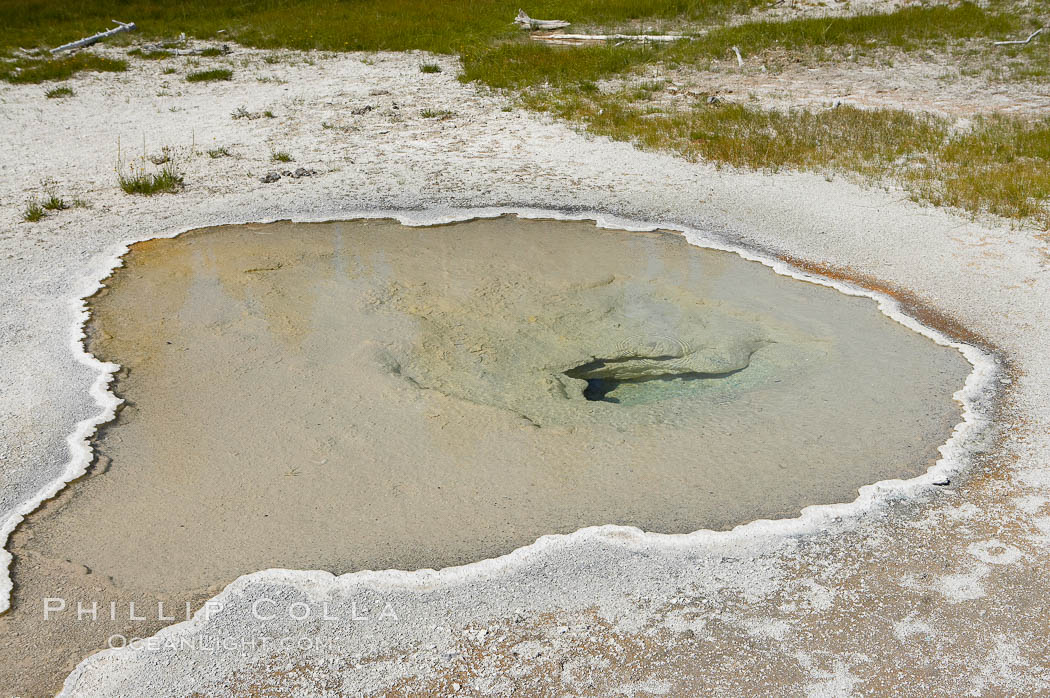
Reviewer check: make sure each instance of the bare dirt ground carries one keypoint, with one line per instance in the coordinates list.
(936, 592)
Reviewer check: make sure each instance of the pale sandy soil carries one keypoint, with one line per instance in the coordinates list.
(939, 593)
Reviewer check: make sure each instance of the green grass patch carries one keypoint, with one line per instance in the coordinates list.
(280, 156)
(59, 92)
(526, 63)
(31, 71)
(436, 114)
(494, 50)
(54, 202)
(1001, 165)
(210, 75)
(36, 209)
(908, 28)
(136, 181)
(430, 68)
(212, 52)
(220, 152)
(33, 211)
(361, 25)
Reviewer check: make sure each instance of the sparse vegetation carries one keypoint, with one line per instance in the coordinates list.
(52, 201)
(33, 211)
(55, 203)
(362, 25)
(436, 113)
(58, 92)
(135, 179)
(269, 114)
(212, 52)
(1000, 165)
(279, 156)
(528, 63)
(430, 68)
(210, 75)
(220, 152)
(241, 112)
(36, 209)
(37, 70)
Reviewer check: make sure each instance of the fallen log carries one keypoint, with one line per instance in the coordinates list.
(558, 38)
(526, 22)
(1020, 42)
(95, 38)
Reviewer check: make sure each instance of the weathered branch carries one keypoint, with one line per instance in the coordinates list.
(526, 22)
(558, 38)
(94, 39)
(1020, 42)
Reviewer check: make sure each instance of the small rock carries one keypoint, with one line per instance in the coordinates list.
(713, 100)
(943, 483)
(269, 177)
(362, 110)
